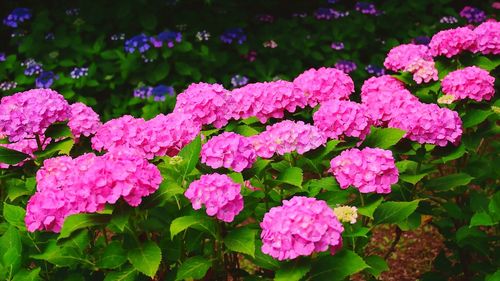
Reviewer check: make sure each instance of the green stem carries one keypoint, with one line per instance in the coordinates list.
(38, 143)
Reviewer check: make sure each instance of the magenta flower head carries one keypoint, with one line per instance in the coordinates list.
(400, 57)
(469, 83)
(337, 118)
(369, 169)
(487, 38)
(228, 150)
(220, 195)
(83, 120)
(451, 42)
(118, 133)
(324, 84)
(30, 113)
(206, 103)
(300, 227)
(287, 136)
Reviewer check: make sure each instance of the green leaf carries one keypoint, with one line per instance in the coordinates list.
(60, 256)
(494, 206)
(485, 63)
(58, 130)
(448, 182)
(11, 157)
(241, 240)
(11, 249)
(336, 267)
(127, 274)
(146, 258)
(190, 155)
(183, 68)
(246, 131)
(413, 179)
(199, 222)
(394, 212)
(474, 117)
(292, 271)
(370, 208)
(377, 265)
(383, 137)
(61, 147)
(79, 221)
(292, 175)
(193, 268)
(14, 215)
(26, 275)
(481, 218)
(113, 256)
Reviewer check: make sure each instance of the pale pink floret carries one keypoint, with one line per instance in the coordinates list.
(402, 56)
(487, 38)
(423, 71)
(337, 119)
(207, 104)
(220, 195)
(83, 120)
(469, 83)
(324, 84)
(369, 170)
(451, 42)
(382, 83)
(300, 227)
(287, 136)
(228, 150)
(266, 100)
(30, 113)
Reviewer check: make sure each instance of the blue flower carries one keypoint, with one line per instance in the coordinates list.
(17, 16)
(161, 91)
(2, 57)
(375, 70)
(78, 72)
(8, 85)
(143, 92)
(45, 79)
(139, 42)
(366, 8)
(346, 66)
(422, 40)
(239, 80)
(32, 67)
(233, 35)
(473, 15)
(168, 37)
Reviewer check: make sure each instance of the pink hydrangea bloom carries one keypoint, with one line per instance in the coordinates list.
(266, 100)
(451, 42)
(338, 118)
(118, 133)
(381, 84)
(423, 70)
(300, 227)
(428, 123)
(83, 120)
(287, 136)
(324, 84)
(228, 150)
(206, 103)
(220, 195)
(30, 113)
(470, 82)
(487, 38)
(67, 186)
(402, 56)
(369, 169)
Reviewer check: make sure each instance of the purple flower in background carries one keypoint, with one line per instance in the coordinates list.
(422, 40)
(250, 56)
(233, 35)
(168, 37)
(346, 66)
(265, 18)
(8, 85)
(72, 12)
(118, 36)
(17, 16)
(50, 36)
(337, 46)
(328, 14)
(45, 79)
(202, 35)
(31, 67)
(143, 92)
(2, 57)
(448, 19)
(139, 42)
(161, 91)
(366, 8)
(78, 72)
(239, 80)
(375, 70)
(473, 15)
(332, 1)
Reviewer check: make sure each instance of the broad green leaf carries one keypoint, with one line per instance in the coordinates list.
(413, 179)
(14, 215)
(27, 275)
(292, 271)
(145, 258)
(246, 131)
(11, 157)
(369, 208)
(448, 182)
(17, 188)
(474, 117)
(190, 155)
(394, 212)
(58, 130)
(61, 147)
(481, 218)
(193, 268)
(383, 138)
(79, 221)
(493, 277)
(292, 175)
(337, 267)
(241, 240)
(262, 260)
(11, 249)
(456, 153)
(359, 232)
(60, 256)
(127, 274)
(485, 63)
(494, 207)
(377, 265)
(326, 183)
(113, 256)
(199, 222)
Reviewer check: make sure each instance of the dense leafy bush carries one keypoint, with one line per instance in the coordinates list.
(284, 179)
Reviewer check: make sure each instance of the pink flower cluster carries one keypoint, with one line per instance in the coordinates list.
(400, 57)
(287, 136)
(67, 186)
(423, 71)
(118, 133)
(324, 84)
(220, 195)
(83, 120)
(369, 169)
(470, 82)
(487, 38)
(338, 118)
(451, 42)
(266, 100)
(26, 114)
(228, 150)
(300, 227)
